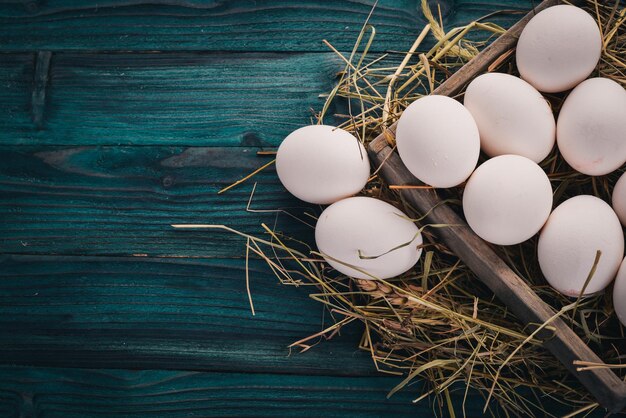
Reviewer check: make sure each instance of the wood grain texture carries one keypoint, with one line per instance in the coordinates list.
(606, 386)
(196, 99)
(240, 25)
(138, 312)
(63, 393)
(16, 91)
(122, 200)
(82, 199)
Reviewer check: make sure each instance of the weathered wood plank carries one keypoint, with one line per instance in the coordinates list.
(81, 393)
(16, 84)
(136, 312)
(122, 200)
(240, 25)
(214, 99)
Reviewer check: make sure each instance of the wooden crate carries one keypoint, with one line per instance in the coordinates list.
(479, 256)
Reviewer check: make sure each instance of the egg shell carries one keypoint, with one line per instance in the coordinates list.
(438, 141)
(511, 115)
(507, 199)
(568, 243)
(322, 164)
(558, 48)
(619, 294)
(591, 128)
(619, 199)
(375, 228)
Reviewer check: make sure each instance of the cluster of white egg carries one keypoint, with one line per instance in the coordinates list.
(361, 237)
(508, 199)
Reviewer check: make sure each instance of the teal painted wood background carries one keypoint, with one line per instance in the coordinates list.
(120, 117)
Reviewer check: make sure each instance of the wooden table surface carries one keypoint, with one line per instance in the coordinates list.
(119, 118)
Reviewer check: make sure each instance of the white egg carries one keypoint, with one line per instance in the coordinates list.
(568, 243)
(512, 116)
(438, 141)
(619, 293)
(322, 164)
(619, 199)
(369, 235)
(507, 199)
(558, 48)
(591, 127)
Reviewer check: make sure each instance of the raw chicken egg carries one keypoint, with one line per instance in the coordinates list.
(507, 199)
(619, 293)
(558, 48)
(322, 164)
(619, 199)
(568, 243)
(512, 116)
(591, 128)
(438, 141)
(367, 238)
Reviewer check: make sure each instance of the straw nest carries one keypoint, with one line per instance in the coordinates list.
(437, 323)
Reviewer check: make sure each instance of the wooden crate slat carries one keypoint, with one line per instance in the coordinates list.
(606, 386)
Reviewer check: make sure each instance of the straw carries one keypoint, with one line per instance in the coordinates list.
(438, 323)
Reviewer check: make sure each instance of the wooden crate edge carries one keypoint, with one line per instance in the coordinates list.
(608, 389)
